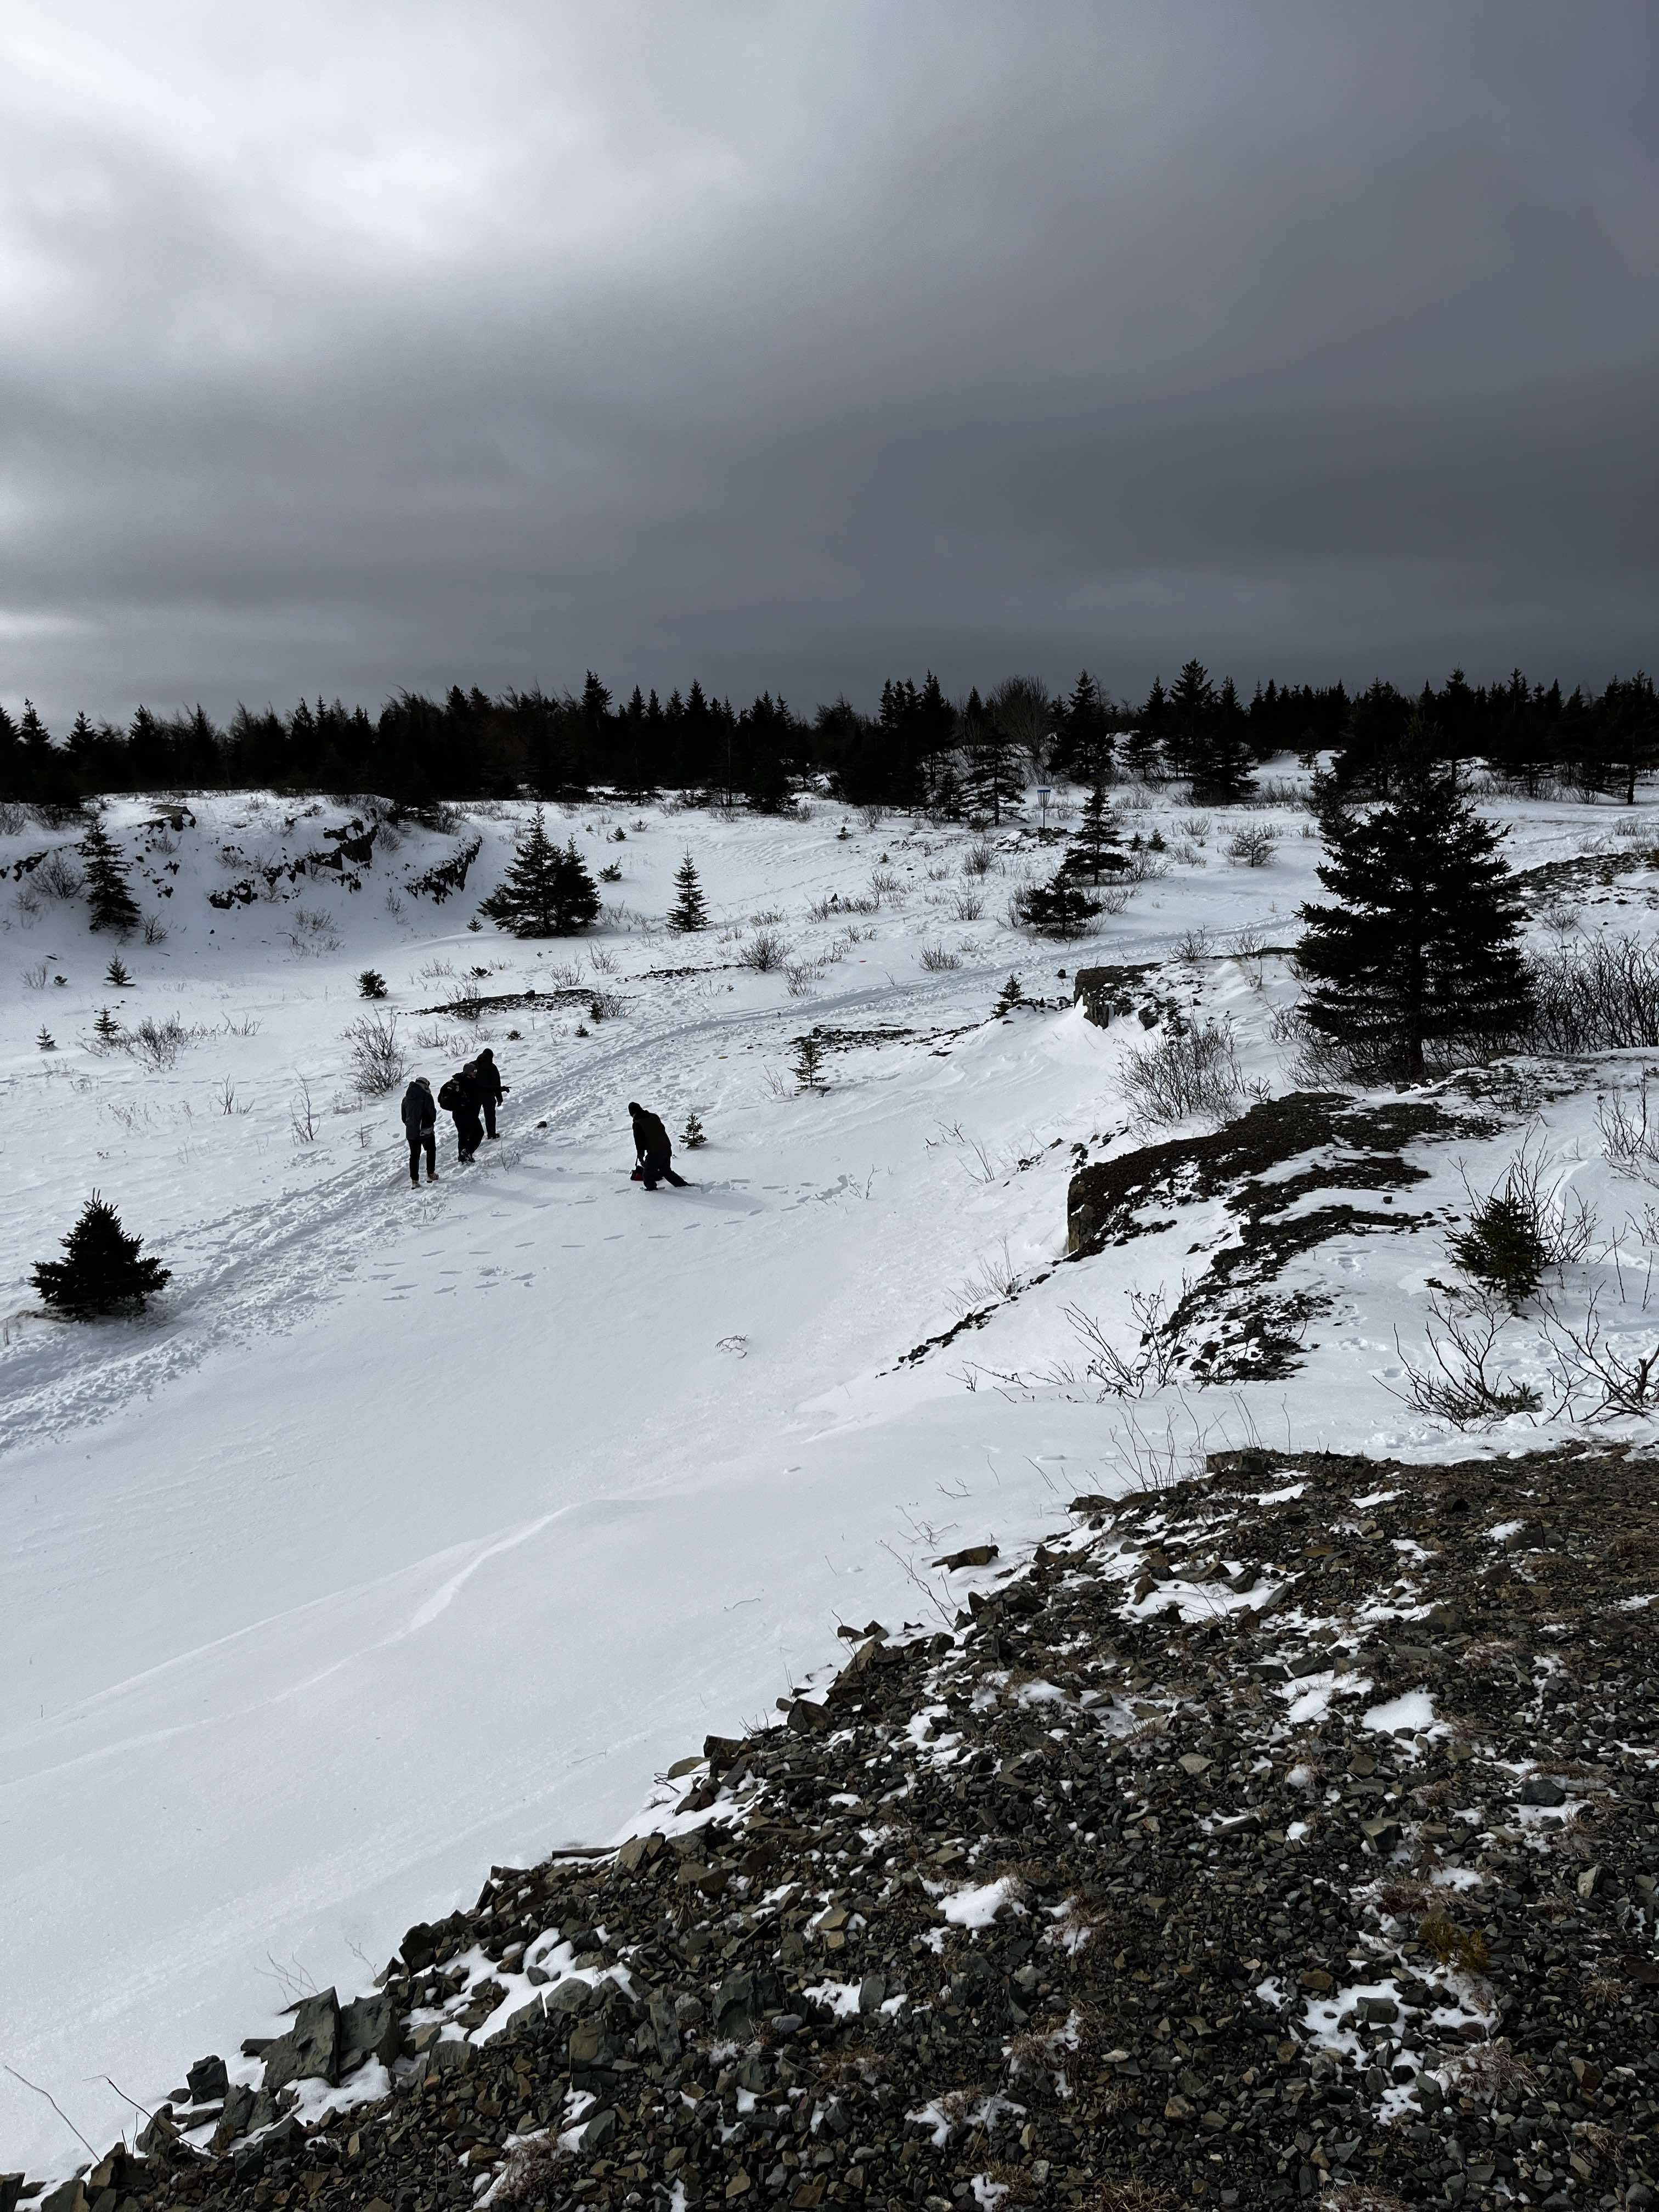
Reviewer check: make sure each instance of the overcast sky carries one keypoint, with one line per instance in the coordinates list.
(360, 344)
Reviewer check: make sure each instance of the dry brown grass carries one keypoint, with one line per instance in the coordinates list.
(531, 2174)
(1134, 2196)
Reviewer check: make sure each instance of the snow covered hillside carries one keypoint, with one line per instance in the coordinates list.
(414, 1531)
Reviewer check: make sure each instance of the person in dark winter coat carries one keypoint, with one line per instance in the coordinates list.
(459, 1097)
(652, 1150)
(421, 1125)
(487, 1082)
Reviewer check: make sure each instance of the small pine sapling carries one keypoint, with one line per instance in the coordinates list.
(1009, 997)
(105, 1027)
(693, 1134)
(371, 984)
(47, 1041)
(691, 909)
(116, 976)
(101, 1268)
(808, 1064)
(611, 874)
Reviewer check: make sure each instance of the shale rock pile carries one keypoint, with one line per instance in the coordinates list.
(1283, 1835)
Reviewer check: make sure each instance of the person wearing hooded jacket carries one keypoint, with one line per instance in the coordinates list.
(652, 1150)
(459, 1098)
(420, 1119)
(488, 1087)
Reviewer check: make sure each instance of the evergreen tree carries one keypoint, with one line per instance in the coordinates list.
(1084, 733)
(1191, 713)
(1092, 852)
(808, 1064)
(693, 1134)
(691, 909)
(1218, 758)
(545, 892)
(994, 784)
(1420, 943)
(1143, 748)
(117, 975)
(109, 904)
(100, 1269)
(105, 1027)
(1058, 908)
(1009, 997)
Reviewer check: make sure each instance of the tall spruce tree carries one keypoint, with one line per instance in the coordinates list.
(1143, 748)
(545, 892)
(1419, 944)
(109, 904)
(691, 909)
(1191, 714)
(1092, 852)
(1218, 758)
(1083, 750)
(100, 1269)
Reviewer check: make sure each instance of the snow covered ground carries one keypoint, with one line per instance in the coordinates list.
(413, 1532)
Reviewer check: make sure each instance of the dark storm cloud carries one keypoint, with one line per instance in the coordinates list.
(379, 344)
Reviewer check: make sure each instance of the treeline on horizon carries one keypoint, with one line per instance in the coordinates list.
(919, 749)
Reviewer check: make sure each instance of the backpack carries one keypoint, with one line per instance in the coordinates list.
(449, 1096)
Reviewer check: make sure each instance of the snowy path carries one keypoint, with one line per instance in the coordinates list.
(341, 1612)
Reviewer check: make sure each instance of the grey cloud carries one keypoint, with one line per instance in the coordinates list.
(797, 347)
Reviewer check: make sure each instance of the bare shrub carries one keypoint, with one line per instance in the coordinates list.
(1615, 1382)
(802, 977)
(1193, 1070)
(1630, 1134)
(158, 1044)
(995, 1277)
(377, 1059)
(1598, 996)
(1155, 1359)
(1251, 847)
(154, 930)
(311, 933)
(765, 952)
(35, 978)
(58, 877)
(885, 883)
(1461, 1382)
(13, 819)
(979, 859)
(968, 905)
(937, 957)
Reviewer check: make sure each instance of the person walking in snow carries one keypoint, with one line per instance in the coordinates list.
(420, 1118)
(652, 1150)
(459, 1097)
(487, 1082)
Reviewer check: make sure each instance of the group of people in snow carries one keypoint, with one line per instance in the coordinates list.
(471, 1097)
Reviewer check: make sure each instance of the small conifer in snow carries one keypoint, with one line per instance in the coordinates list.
(101, 1268)
(1060, 908)
(691, 909)
(371, 984)
(1009, 997)
(105, 1027)
(109, 904)
(115, 975)
(808, 1063)
(693, 1134)
(1092, 852)
(47, 1041)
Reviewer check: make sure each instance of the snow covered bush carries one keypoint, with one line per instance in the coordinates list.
(1192, 1071)
(377, 1058)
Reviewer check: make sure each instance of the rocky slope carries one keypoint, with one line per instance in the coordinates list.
(1284, 1834)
